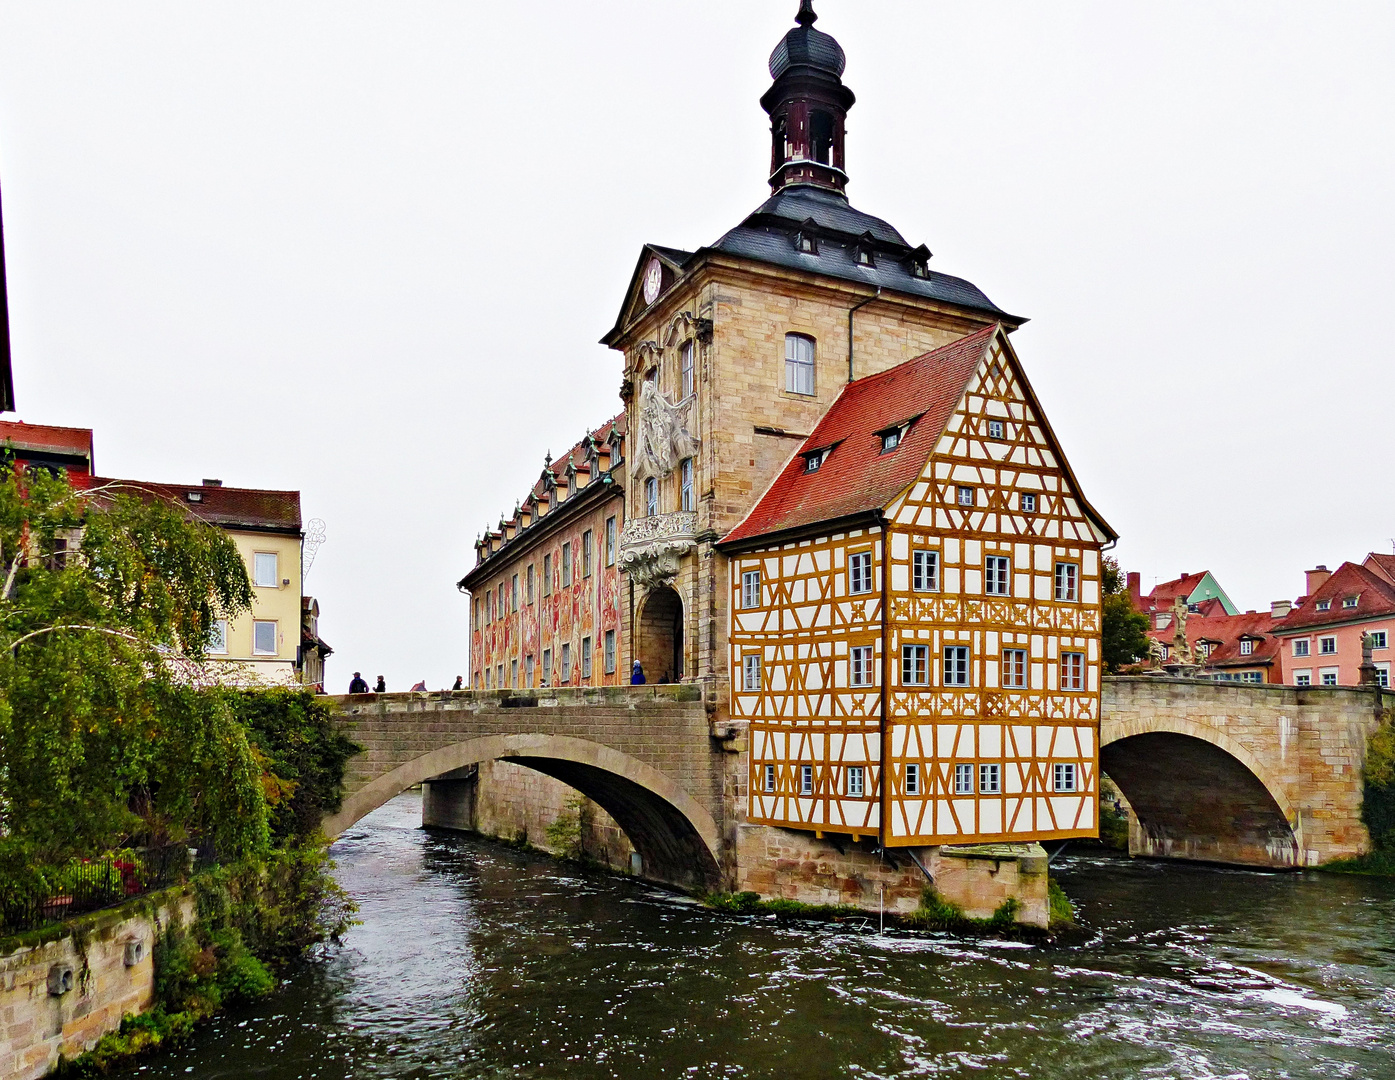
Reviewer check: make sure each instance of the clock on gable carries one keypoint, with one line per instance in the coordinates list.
(653, 280)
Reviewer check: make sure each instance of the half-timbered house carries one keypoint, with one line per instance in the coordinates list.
(915, 627)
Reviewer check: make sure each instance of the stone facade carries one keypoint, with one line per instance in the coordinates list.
(1258, 775)
(109, 976)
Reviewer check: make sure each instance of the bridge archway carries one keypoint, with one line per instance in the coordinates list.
(1197, 794)
(676, 838)
(660, 636)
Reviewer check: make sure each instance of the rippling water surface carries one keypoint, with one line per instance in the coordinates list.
(474, 960)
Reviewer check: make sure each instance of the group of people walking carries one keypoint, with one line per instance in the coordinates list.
(358, 685)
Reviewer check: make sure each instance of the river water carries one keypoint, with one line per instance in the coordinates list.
(475, 960)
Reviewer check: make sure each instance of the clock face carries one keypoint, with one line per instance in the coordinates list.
(653, 278)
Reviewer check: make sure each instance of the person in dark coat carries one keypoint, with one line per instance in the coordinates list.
(637, 675)
(357, 685)
(381, 688)
(459, 683)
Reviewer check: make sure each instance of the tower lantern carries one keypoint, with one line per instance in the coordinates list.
(808, 106)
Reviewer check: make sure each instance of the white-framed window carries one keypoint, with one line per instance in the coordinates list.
(857, 781)
(915, 665)
(1324, 605)
(264, 571)
(1301, 646)
(1247, 647)
(813, 462)
(529, 668)
(912, 779)
(860, 666)
(997, 575)
(799, 364)
(1383, 675)
(963, 779)
(686, 365)
(1251, 676)
(218, 637)
(806, 779)
(1328, 676)
(1027, 502)
(689, 497)
(995, 429)
(530, 577)
(566, 663)
(925, 571)
(651, 496)
(586, 658)
(1379, 639)
(965, 495)
(1068, 582)
(264, 637)
(750, 589)
(610, 652)
(1349, 601)
(768, 778)
(566, 564)
(1327, 646)
(1063, 776)
(587, 544)
(990, 779)
(891, 440)
(547, 667)
(860, 572)
(1072, 671)
(1303, 678)
(956, 659)
(1014, 669)
(750, 671)
(611, 535)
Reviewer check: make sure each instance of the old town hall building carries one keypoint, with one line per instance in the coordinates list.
(833, 498)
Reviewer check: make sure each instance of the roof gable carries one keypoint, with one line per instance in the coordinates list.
(1375, 598)
(672, 262)
(856, 477)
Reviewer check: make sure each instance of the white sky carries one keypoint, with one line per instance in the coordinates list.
(366, 250)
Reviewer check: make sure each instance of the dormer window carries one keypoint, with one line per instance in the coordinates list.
(891, 440)
(1349, 601)
(920, 263)
(806, 239)
(1247, 646)
(865, 256)
(813, 461)
(1324, 605)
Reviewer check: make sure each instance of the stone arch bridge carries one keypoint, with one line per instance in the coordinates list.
(1220, 772)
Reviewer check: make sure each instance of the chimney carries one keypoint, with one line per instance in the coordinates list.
(1135, 586)
(1317, 578)
(1279, 609)
(212, 483)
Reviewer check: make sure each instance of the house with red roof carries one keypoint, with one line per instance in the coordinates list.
(1322, 638)
(1200, 592)
(915, 614)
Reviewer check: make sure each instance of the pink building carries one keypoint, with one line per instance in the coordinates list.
(1320, 640)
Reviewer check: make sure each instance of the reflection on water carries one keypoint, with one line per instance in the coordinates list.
(475, 960)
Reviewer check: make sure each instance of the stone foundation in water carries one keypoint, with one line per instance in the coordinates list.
(511, 802)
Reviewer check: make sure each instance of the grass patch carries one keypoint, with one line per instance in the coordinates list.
(937, 913)
(1061, 910)
(1376, 864)
(750, 903)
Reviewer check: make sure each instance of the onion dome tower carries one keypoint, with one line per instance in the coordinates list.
(808, 106)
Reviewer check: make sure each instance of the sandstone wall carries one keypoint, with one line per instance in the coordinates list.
(38, 1025)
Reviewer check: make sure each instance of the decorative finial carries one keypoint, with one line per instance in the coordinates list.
(548, 459)
(807, 16)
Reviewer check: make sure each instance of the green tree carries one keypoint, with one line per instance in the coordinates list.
(1124, 630)
(104, 742)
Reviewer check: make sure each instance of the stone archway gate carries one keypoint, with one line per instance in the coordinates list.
(1240, 773)
(644, 753)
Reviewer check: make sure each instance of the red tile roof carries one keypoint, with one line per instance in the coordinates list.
(228, 507)
(1381, 565)
(1227, 631)
(856, 477)
(1166, 592)
(47, 439)
(1375, 599)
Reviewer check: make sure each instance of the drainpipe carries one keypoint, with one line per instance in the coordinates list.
(884, 775)
(851, 311)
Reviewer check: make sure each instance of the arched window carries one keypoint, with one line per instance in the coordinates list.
(821, 138)
(799, 364)
(651, 497)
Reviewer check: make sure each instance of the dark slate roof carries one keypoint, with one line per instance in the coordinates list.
(769, 236)
(806, 47)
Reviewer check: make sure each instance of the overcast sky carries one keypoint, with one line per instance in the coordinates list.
(366, 250)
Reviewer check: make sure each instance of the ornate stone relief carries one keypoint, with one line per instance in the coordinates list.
(662, 439)
(651, 547)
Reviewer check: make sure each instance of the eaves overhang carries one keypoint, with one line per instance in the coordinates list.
(863, 518)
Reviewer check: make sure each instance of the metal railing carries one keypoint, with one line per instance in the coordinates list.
(92, 884)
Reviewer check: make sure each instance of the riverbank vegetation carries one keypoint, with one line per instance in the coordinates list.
(115, 740)
(1377, 805)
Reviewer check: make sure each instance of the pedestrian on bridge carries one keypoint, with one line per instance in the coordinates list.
(381, 688)
(459, 683)
(637, 675)
(357, 685)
